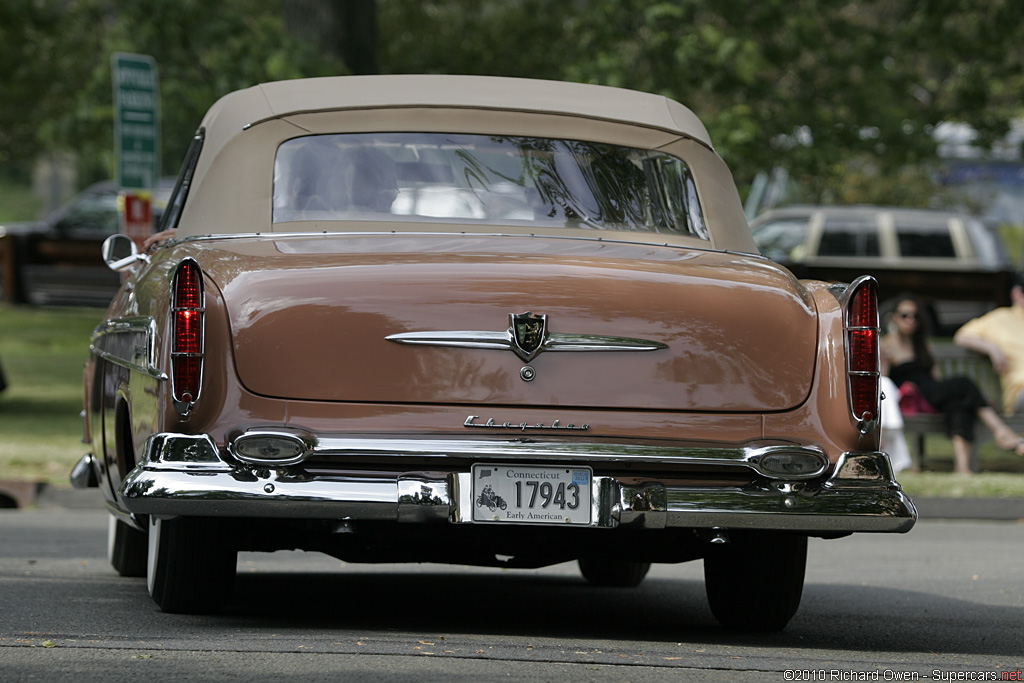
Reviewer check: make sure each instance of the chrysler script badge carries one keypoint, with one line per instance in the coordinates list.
(471, 421)
(528, 332)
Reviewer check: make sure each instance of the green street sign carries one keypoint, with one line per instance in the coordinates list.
(136, 120)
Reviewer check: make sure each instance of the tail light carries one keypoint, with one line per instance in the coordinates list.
(187, 313)
(862, 360)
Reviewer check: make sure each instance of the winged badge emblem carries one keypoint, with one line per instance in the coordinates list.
(526, 336)
(528, 333)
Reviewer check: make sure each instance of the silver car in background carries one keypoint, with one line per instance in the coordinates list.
(952, 261)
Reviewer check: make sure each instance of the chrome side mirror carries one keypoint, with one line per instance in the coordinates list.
(121, 253)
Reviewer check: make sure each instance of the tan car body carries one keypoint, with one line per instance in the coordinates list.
(314, 329)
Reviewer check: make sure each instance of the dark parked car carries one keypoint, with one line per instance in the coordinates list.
(952, 261)
(57, 260)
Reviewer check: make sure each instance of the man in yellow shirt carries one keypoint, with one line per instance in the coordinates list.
(999, 334)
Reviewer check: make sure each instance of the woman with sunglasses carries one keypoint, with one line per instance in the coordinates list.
(907, 357)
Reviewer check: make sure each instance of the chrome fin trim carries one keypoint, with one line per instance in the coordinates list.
(129, 343)
(869, 425)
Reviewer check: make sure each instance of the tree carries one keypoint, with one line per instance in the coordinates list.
(815, 86)
(832, 91)
(524, 38)
(41, 66)
(345, 30)
(825, 89)
(203, 50)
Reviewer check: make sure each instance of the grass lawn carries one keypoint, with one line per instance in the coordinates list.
(947, 485)
(1001, 475)
(18, 203)
(42, 351)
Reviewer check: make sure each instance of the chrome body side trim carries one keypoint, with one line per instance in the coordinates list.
(179, 476)
(130, 343)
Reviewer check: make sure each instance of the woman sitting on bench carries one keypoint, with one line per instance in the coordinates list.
(907, 357)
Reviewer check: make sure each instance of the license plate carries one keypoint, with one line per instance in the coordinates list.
(527, 494)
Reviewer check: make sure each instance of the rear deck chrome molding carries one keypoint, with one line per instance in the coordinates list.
(504, 341)
(178, 476)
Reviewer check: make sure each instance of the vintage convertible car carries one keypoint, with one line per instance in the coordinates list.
(484, 321)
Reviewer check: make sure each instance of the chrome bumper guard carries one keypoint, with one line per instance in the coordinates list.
(187, 475)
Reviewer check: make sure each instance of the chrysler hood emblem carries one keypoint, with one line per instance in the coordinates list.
(528, 332)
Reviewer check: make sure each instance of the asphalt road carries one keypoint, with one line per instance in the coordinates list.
(944, 599)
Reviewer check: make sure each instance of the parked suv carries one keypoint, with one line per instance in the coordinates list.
(957, 265)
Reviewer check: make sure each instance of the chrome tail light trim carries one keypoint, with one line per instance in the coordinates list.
(857, 333)
(185, 400)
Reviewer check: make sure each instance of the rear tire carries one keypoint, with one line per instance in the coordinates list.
(755, 582)
(613, 573)
(191, 567)
(127, 548)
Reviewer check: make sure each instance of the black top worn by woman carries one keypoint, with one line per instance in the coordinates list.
(958, 398)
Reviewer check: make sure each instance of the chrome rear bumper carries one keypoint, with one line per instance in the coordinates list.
(183, 475)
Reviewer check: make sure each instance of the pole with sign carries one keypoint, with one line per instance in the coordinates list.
(136, 139)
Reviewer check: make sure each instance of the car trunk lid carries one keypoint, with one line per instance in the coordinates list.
(373, 319)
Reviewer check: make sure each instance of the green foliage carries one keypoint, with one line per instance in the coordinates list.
(526, 38)
(809, 85)
(862, 180)
(844, 95)
(45, 51)
(828, 90)
(203, 50)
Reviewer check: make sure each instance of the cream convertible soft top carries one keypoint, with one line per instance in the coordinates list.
(282, 98)
(233, 183)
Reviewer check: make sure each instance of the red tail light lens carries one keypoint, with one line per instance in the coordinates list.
(862, 358)
(864, 307)
(187, 323)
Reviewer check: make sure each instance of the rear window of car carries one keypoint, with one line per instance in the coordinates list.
(925, 240)
(987, 244)
(849, 236)
(783, 239)
(484, 179)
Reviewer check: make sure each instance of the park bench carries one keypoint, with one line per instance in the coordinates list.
(954, 360)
